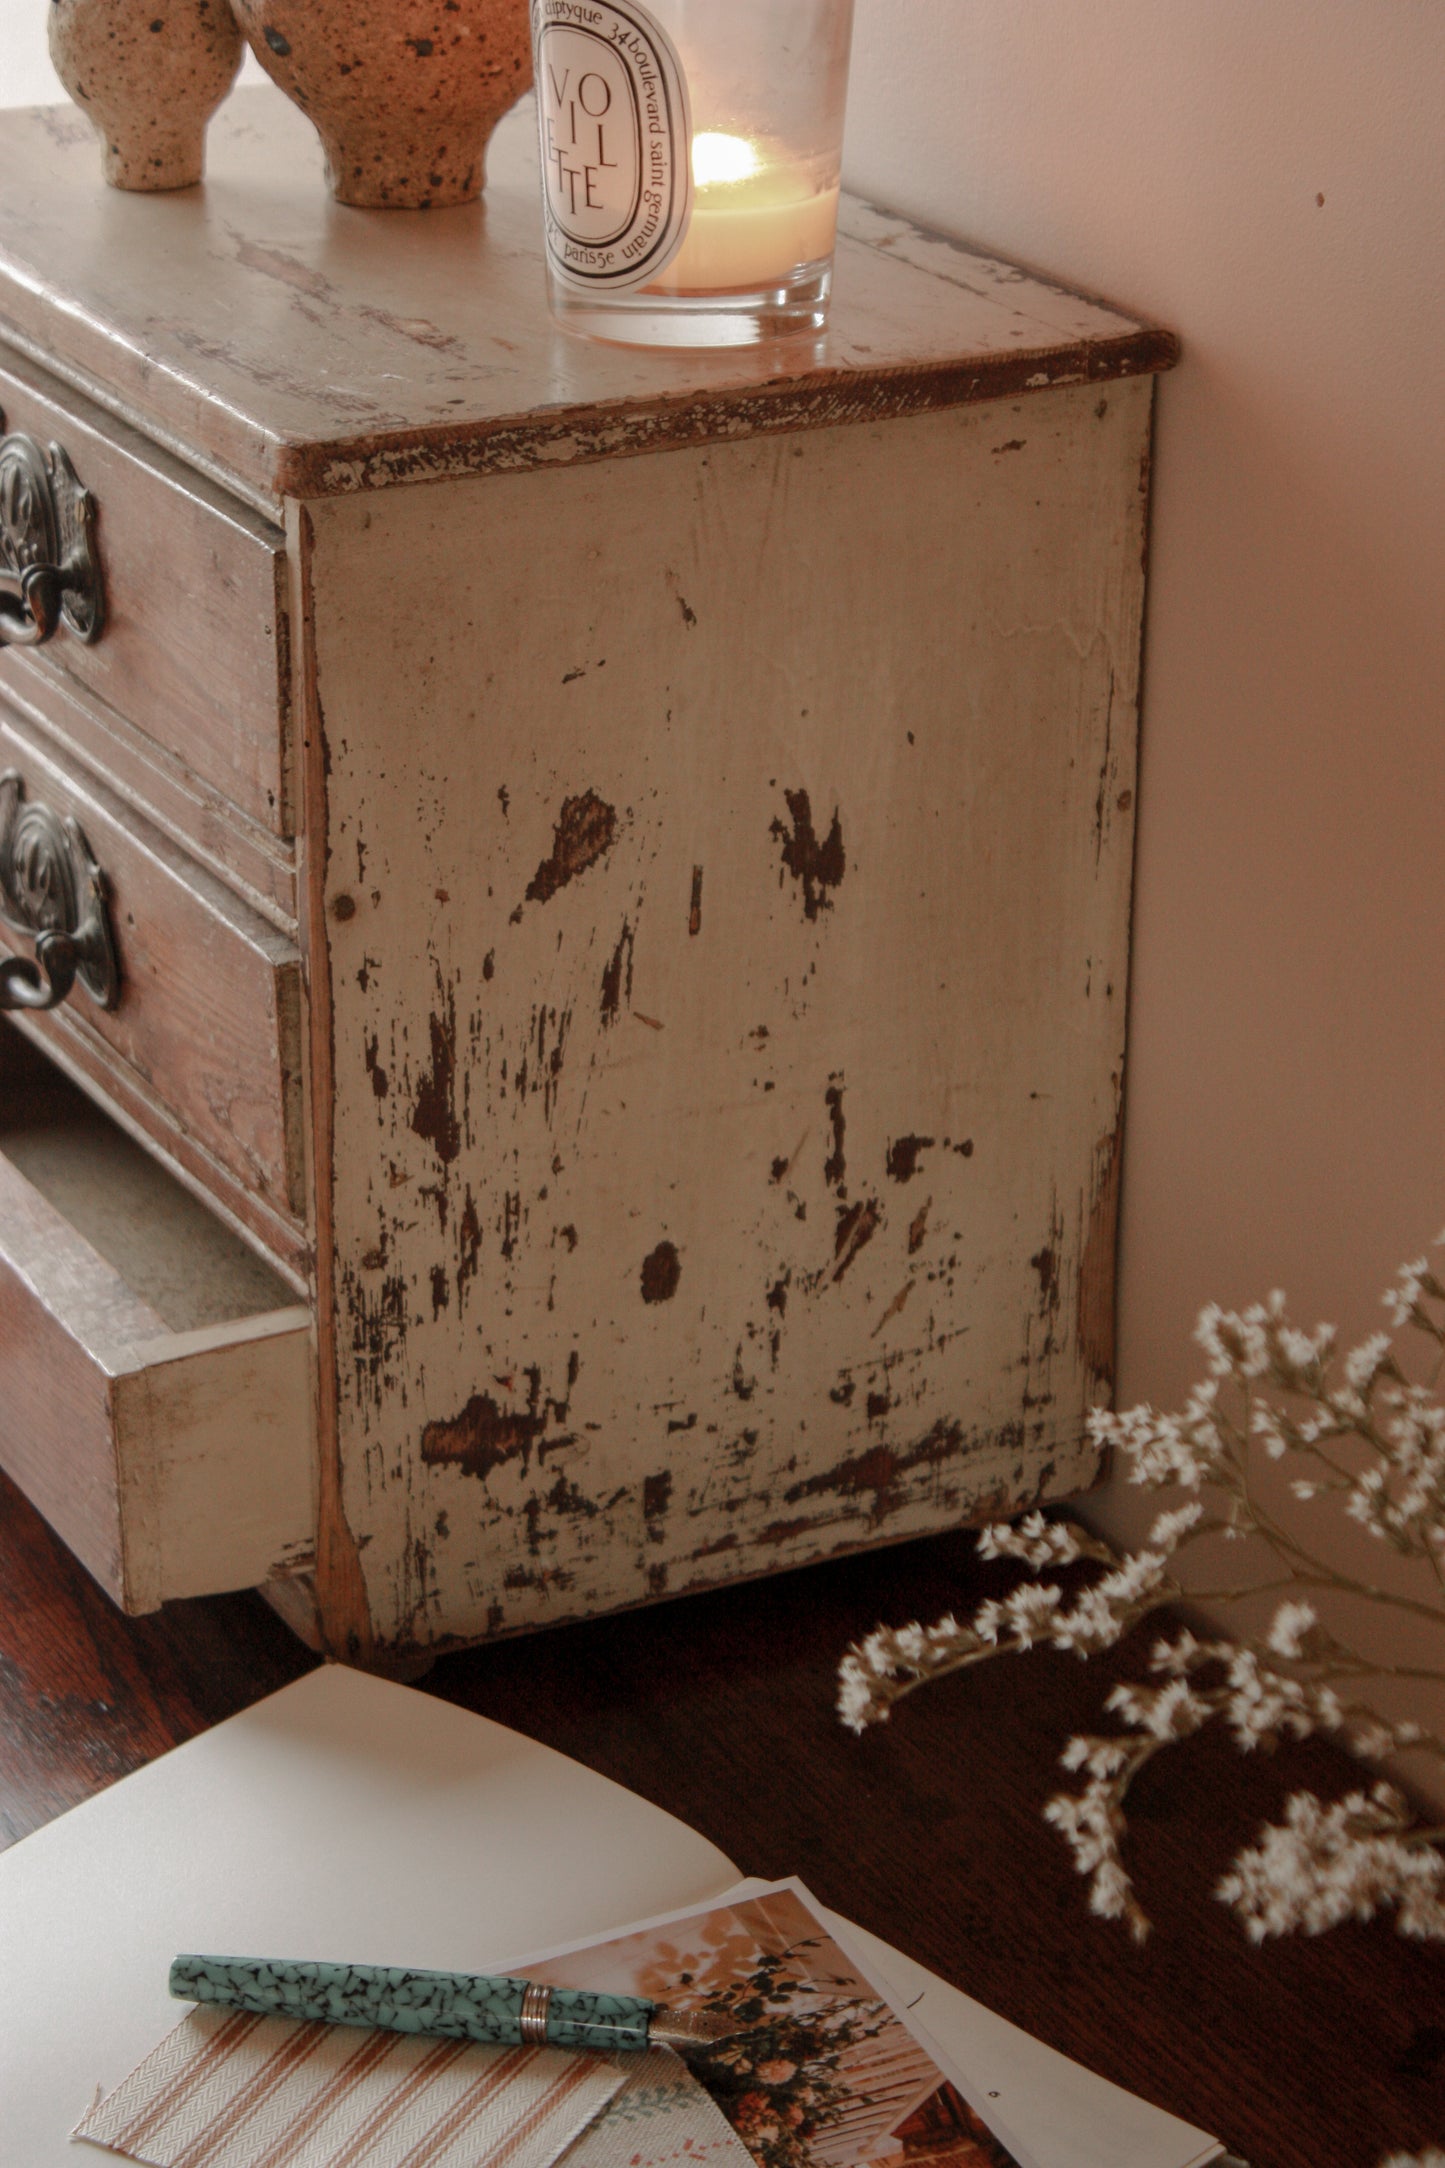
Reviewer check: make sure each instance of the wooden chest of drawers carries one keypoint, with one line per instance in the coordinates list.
(619, 868)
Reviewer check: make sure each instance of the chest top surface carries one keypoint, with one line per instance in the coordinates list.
(296, 347)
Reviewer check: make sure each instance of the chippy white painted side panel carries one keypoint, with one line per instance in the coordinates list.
(727, 902)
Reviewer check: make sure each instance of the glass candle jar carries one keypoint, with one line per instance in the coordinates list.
(690, 159)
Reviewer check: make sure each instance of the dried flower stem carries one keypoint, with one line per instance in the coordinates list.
(1321, 1864)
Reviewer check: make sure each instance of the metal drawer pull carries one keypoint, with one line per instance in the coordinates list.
(49, 570)
(51, 886)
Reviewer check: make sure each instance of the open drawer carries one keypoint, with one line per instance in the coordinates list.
(155, 1374)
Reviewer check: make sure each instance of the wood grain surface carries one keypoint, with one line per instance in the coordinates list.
(158, 1385)
(292, 346)
(259, 865)
(209, 1016)
(194, 649)
(1322, 2054)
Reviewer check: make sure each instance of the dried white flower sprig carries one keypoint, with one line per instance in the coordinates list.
(1356, 1430)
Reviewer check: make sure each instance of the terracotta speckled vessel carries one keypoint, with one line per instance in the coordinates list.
(404, 93)
(150, 73)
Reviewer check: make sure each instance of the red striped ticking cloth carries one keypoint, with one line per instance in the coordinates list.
(226, 2090)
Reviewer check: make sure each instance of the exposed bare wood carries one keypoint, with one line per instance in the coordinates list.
(192, 649)
(300, 351)
(1097, 1267)
(342, 1607)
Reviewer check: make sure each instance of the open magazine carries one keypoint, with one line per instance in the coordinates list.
(349, 1818)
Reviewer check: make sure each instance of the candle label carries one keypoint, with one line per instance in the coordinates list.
(616, 142)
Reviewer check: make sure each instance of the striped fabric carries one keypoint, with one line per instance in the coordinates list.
(662, 2118)
(226, 2090)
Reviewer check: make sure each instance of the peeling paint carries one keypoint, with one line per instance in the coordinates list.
(469, 1246)
(568, 1499)
(903, 1157)
(590, 1130)
(378, 1331)
(719, 1544)
(857, 1225)
(381, 458)
(585, 831)
(781, 1168)
(894, 1307)
(879, 1471)
(486, 1435)
(1096, 1268)
(661, 1272)
(778, 1532)
(434, 1115)
(617, 976)
(835, 1166)
(817, 867)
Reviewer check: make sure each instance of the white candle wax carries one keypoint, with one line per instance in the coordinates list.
(752, 221)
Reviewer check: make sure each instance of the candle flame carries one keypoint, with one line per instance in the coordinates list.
(717, 157)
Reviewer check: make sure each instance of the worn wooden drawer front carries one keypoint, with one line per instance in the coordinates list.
(194, 645)
(155, 1378)
(209, 1009)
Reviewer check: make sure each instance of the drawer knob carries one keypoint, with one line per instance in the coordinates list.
(51, 887)
(49, 570)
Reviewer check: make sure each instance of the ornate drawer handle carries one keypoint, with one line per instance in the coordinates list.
(51, 886)
(49, 570)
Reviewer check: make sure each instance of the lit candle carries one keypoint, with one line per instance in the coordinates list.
(753, 220)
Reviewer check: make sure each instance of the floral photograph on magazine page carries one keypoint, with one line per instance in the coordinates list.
(820, 2072)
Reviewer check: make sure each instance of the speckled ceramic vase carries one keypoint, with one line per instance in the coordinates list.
(150, 73)
(404, 93)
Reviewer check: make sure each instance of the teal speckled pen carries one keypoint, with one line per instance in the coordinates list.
(455, 2005)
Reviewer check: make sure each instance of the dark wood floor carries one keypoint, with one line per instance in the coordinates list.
(1321, 2054)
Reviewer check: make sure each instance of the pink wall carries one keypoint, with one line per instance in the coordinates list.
(1286, 1111)
(1268, 177)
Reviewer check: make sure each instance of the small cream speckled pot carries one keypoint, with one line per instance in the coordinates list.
(150, 73)
(404, 93)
